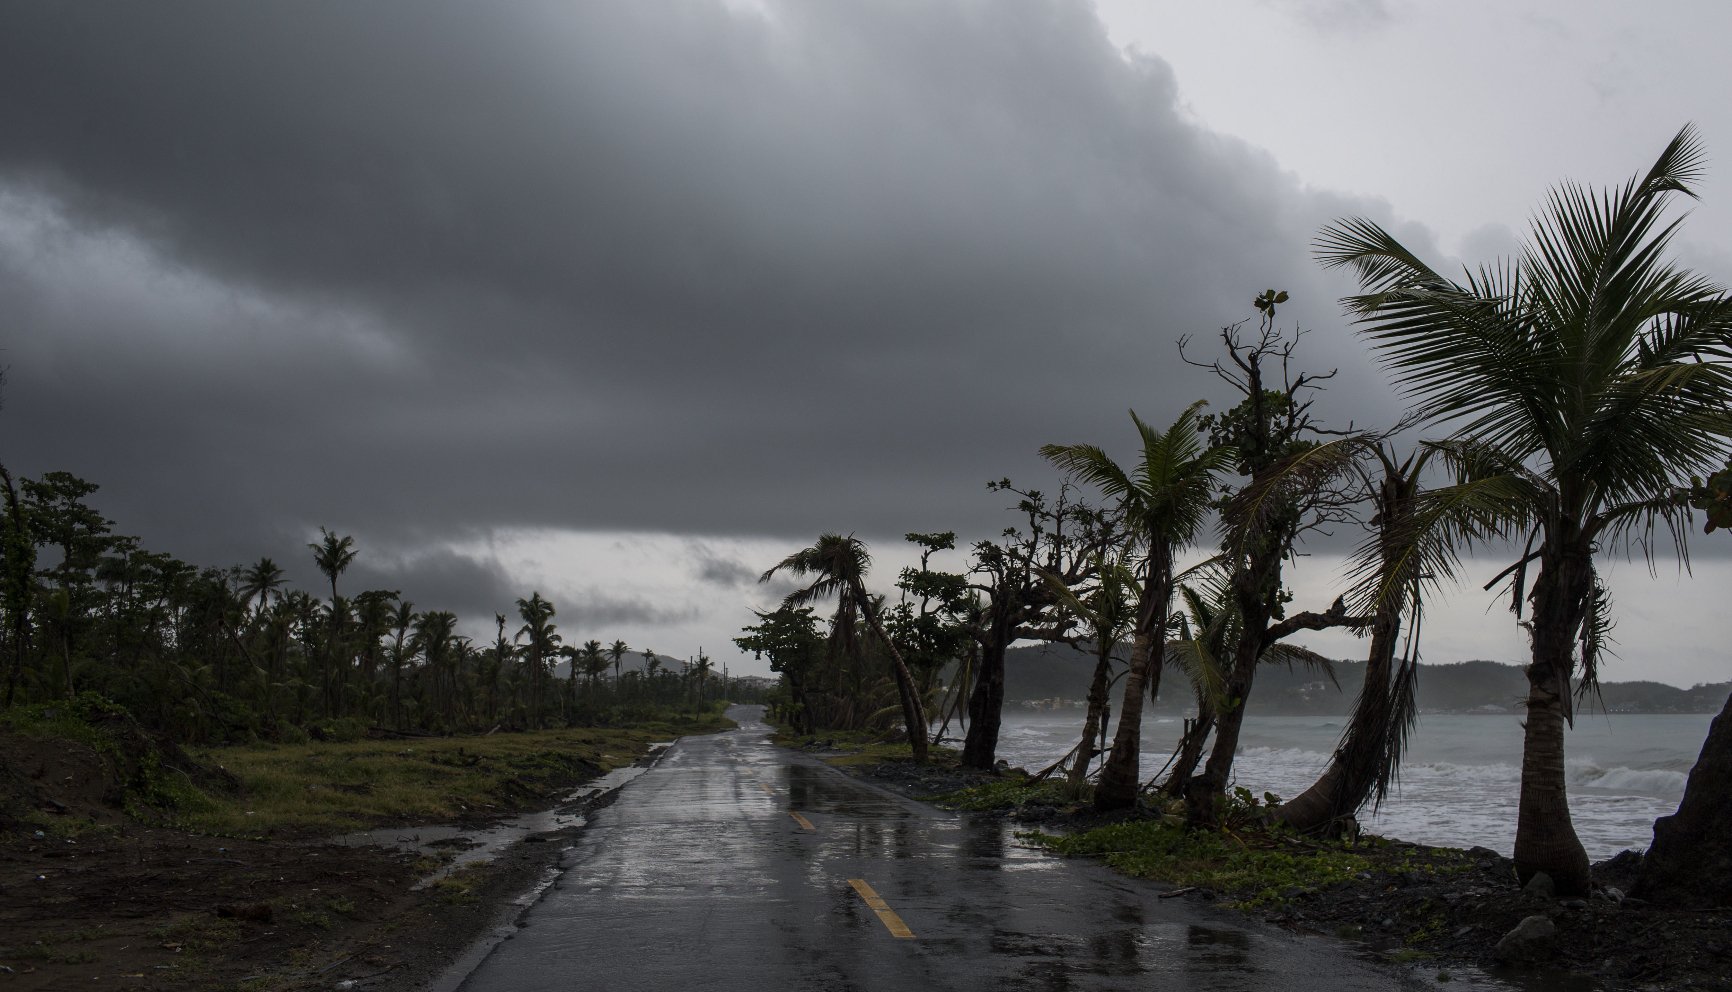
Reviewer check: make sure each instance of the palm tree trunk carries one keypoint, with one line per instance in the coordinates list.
(1254, 589)
(1121, 776)
(1087, 748)
(1545, 838)
(913, 716)
(1191, 744)
(1358, 763)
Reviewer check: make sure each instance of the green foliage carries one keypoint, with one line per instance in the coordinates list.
(1714, 499)
(1007, 794)
(1252, 865)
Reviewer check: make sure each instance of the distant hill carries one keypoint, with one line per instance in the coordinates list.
(1042, 673)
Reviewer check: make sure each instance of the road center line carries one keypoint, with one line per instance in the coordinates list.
(802, 821)
(891, 921)
(766, 787)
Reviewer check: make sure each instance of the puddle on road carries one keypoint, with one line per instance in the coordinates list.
(477, 844)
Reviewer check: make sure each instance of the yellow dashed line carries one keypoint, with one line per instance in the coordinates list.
(892, 922)
(767, 790)
(802, 821)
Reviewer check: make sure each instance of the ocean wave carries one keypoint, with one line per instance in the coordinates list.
(1659, 782)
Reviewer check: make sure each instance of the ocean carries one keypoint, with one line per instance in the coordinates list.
(1461, 776)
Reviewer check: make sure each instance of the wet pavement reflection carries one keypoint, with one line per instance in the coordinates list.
(698, 876)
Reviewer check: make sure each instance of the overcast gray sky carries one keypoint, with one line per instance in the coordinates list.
(623, 302)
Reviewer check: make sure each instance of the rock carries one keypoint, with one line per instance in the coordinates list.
(1541, 885)
(1614, 893)
(1531, 940)
(1574, 904)
(257, 912)
(1689, 863)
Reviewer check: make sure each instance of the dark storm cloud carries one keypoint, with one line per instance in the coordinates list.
(719, 569)
(422, 270)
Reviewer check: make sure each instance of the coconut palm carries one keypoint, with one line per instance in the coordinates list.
(1407, 551)
(333, 555)
(1577, 375)
(838, 567)
(1165, 497)
(595, 659)
(543, 642)
(261, 580)
(615, 652)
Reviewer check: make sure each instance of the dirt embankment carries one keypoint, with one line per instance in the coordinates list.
(92, 896)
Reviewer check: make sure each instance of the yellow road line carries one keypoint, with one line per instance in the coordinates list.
(802, 821)
(892, 922)
(767, 790)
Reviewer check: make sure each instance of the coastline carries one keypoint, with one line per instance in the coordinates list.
(1433, 911)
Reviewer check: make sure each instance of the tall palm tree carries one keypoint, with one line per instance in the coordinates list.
(1165, 497)
(260, 581)
(333, 555)
(838, 567)
(615, 652)
(595, 659)
(435, 636)
(539, 629)
(1577, 374)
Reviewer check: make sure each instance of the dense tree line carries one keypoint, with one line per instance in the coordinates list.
(214, 655)
(1564, 403)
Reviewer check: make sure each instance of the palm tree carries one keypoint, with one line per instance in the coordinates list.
(333, 555)
(1108, 613)
(261, 579)
(595, 659)
(1164, 497)
(1577, 374)
(1406, 552)
(538, 627)
(838, 567)
(616, 651)
(435, 636)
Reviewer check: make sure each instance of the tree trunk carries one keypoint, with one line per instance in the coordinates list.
(1254, 591)
(1545, 838)
(913, 714)
(1358, 763)
(1088, 747)
(1196, 735)
(1690, 862)
(986, 702)
(1121, 777)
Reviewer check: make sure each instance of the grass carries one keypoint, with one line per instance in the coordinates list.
(329, 788)
(1255, 867)
(326, 788)
(1007, 794)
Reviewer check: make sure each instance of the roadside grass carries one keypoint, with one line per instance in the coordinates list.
(317, 789)
(1009, 793)
(1251, 865)
(328, 788)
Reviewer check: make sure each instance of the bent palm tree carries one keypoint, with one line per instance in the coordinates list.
(838, 566)
(616, 651)
(1165, 498)
(1577, 374)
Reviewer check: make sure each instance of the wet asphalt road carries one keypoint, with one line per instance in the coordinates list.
(731, 865)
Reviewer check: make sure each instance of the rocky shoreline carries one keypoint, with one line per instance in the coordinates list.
(1434, 909)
